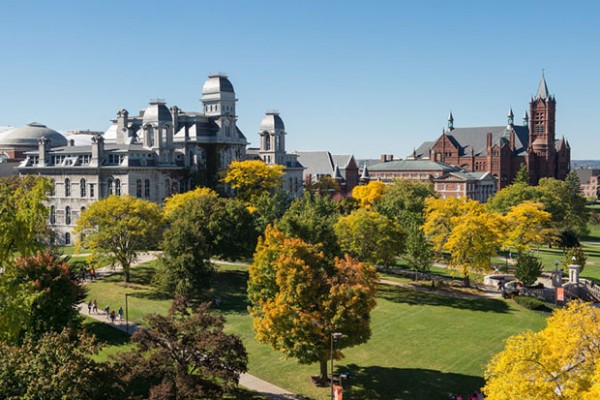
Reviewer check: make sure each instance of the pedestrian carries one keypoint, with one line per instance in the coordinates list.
(107, 311)
(120, 314)
(93, 274)
(113, 316)
(89, 307)
(95, 306)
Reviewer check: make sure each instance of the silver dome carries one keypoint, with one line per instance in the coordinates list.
(157, 112)
(217, 83)
(30, 134)
(272, 122)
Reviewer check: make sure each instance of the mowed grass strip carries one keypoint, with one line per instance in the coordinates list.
(423, 345)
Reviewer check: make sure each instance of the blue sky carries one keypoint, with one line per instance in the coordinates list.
(347, 76)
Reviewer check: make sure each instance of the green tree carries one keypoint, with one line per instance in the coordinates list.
(184, 355)
(522, 176)
(252, 178)
(405, 199)
(298, 299)
(419, 252)
(564, 201)
(46, 298)
(22, 216)
(324, 186)
(511, 196)
(528, 268)
(268, 208)
(370, 237)
(118, 228)
(59, 365)
(575, 255)
(311, 218)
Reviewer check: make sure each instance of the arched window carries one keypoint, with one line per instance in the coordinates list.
(52, 215)
(81, 211)
(109, 186)
(138, 188)
(147, 188)
(67, 187)
(67, 238)
(118, 187)
(167, 187)
(82, 188)
(267, 141)
(68, 215)
(53, 187)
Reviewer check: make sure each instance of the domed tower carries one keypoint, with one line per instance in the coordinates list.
(272, 138)
(157, 125)
(218, 96)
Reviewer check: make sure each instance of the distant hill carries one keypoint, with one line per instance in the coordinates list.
(585, 164)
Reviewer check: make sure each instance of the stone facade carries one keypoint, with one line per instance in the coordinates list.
(479, 186)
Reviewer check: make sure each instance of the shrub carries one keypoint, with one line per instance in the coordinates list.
(530, 303)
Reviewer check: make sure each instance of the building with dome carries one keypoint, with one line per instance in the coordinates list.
(502, 150)
(272, 151)
(161, 151)
(14, 143)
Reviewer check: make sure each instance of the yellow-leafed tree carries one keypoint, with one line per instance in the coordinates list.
(179, 200)
(298, 299)
(562, 361)
(252, 178)
(369, 195)
(528, 224)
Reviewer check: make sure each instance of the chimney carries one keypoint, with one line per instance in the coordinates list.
(43, 146)
(71, 142)
(122, 130)
(97, 151)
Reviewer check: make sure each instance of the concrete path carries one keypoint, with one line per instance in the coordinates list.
(248, 381)
(449, 293)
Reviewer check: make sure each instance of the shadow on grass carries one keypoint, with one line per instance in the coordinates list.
(412, 297)
(230, 287)
(151, 295)
(106, 334)
(405, 383)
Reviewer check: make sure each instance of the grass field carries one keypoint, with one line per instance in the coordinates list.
(423, 345)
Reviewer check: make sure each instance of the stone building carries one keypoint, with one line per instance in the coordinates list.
(479, 186)
(343, 168)
(153, 155)
(502, 150)
(588, 178)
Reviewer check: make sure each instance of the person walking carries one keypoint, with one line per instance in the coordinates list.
(107, 311)
(120, 314)
(95, 306)
(89, 307)
(113, 316)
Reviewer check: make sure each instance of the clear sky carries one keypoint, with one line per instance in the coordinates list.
(361, 77)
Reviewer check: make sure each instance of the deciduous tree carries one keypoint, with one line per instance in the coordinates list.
(298, 299)
(419, 252)
(178, 200)
(370, 237)
(528, 268)
(118, 228)
(528, 224)
(405, 199)
(252, 178)
(368, 195)
(559, 362)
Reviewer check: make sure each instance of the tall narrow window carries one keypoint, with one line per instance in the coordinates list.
(52, 215)
(67, 187)
(138, 188)
(118, 187)
(53, 188)
(82, 188)
(67, 238)
(167, 187)
(68, 215)
(109, 187)
(147, 188)
(91, 190)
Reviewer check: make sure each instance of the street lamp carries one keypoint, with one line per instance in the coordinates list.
(334, 336)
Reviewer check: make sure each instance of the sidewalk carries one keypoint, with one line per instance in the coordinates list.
(248, 381)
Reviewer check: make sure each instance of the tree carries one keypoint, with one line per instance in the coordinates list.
(559, 362)
(251, 178)
(37, 295)
(202, 228)
(405, 199)
(311, 218)
(268, 208)
(522, 175)
(22, 216)
(179, 199)
(528, 224)
(419, 252)
(185, 355)
(528, 268)
(324, 186)
(370, 237)
(575, 255)
(368, 195)
(59, 365)
(298, 299)
(564, 201)
(118, 227)
(511, 196)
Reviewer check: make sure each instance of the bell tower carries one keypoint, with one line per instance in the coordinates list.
(542, 134)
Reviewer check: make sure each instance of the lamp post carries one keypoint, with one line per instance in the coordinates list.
(334, 336)
(126, 312)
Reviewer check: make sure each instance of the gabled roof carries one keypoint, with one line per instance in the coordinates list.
(342, 160)
(413, 165)
(316, 162)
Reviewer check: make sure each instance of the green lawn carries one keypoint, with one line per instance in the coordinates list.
(423, 345)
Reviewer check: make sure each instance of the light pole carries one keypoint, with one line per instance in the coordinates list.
(126, 312)
(334, 336)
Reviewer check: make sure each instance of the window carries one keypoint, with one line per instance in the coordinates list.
(82, 188)
(68, 215)
(91, 190)
(147, 188)
(53, 188)
(52, 215)
(109, 186)
(167, 187)
(138, 188)
(118, 187)
(67, 238)
(67, 187)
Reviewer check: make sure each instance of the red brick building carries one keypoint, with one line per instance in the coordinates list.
(502, 150)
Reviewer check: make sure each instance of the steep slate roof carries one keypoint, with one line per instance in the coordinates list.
(316, 162)
(584, 174)
(542, 92)
(413, 165)
(341, 160)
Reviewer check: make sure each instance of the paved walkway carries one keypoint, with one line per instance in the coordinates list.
(248, 381)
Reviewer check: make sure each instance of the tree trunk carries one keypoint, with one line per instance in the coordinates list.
(323, 373)
(127, 274)
(467, 281)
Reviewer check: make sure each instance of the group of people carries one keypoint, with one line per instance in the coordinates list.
(477, 395)
(88, 273)
(110, 315)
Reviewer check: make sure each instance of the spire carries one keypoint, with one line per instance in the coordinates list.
(526, 119)
(511, 116)
(542, 92)
(450, 121)
(337, 175)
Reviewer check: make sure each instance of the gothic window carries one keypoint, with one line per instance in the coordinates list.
(52, 215)
(267, 141)
(118, 187)
(147, 188)
(138, 188)
(109, 186)
(82, 188)
(67, 187)
(68, 215)
(67, 238)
